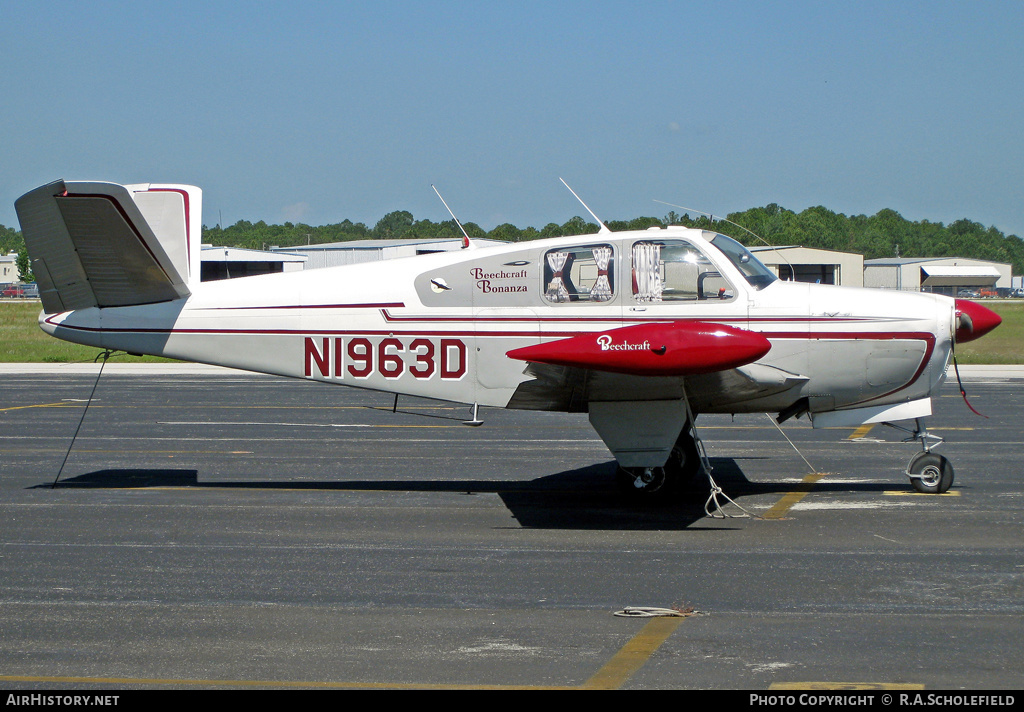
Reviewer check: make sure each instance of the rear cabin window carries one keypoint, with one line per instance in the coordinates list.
(675, 271)
(579, 274)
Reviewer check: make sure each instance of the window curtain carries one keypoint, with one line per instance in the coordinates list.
(602, 289)
(556, 291)
(647, 272)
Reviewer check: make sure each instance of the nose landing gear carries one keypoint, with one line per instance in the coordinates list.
(929, 473)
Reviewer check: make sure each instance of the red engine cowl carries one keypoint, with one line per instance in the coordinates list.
(974, 321)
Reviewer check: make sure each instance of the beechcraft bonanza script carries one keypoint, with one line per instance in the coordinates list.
(641, 330)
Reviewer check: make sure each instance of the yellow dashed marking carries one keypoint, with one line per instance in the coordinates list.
(274, 683)
(623, 665)
(782, 507)
(633, 655)
(41, 405)
(861, 431)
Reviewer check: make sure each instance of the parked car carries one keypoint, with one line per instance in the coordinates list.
(29, 290)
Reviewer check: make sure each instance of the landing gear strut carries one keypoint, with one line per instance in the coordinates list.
(929, 473)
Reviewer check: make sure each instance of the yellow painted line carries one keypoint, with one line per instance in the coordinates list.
(167, 406)
(276, 683)
(389, 408)
(633, 655)
(206, 488)
(845, 686)
(172, 452)
(42, 405)
(930, 429)
(406, 426)
(861, 431)
(169, 453)
(736, 427)
(339, 426)
(203, 487)
(782, 507)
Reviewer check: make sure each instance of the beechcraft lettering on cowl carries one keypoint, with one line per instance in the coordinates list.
(642, 330)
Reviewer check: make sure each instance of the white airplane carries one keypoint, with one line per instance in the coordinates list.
(642, 330)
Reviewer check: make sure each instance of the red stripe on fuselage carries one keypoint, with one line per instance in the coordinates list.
(375, 305)
(927, 337)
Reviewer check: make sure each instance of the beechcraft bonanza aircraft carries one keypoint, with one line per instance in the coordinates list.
(642, 330)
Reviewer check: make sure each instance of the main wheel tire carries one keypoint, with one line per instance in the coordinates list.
(930, 473)
(686, 467)
(684, 460)
(662, 484)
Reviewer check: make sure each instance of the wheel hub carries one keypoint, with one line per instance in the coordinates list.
(930, 475)
(645, 477)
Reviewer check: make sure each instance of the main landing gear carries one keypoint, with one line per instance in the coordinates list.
(661, 483)
(929, 473)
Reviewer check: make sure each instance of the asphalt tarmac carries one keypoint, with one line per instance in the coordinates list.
(235, 531)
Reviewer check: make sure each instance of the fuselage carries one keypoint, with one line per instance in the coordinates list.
(440, 325)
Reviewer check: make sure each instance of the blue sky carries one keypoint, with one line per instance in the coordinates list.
(317, 112)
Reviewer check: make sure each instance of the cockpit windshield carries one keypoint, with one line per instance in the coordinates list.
(756, 274)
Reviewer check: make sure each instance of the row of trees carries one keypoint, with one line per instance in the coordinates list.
(885, 234)
(399, 224)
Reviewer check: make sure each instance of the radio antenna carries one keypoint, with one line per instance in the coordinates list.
(465, 235)
(604, 228)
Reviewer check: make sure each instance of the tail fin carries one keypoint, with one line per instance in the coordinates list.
(109, 245)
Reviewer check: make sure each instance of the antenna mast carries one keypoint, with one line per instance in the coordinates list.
(604, 228)
(465, 235)
(774, 249)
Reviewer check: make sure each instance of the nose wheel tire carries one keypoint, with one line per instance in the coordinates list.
(930, 473)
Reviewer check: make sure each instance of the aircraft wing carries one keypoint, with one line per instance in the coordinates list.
(563, 388)
(632, 380)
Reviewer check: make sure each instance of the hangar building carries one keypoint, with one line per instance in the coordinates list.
(9, 268)
(942, 275)
(332, 254)
(231, 262)
(807, 264)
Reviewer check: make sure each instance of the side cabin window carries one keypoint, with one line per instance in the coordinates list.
(675, 271)
(579, 274)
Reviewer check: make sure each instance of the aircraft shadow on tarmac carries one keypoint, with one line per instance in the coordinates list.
(582, 498)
